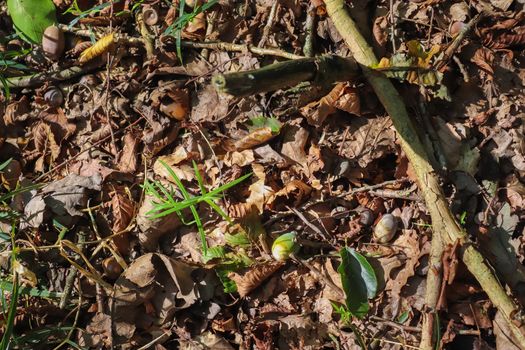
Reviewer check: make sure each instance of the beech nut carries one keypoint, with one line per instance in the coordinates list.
(54, 97)
(150, 16)
(53, 42)
(385, 228)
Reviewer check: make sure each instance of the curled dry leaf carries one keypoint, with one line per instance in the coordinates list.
(242, 158)
(123, 209)
(150, 230)
(342, 97)
(259, 192)
(295, 189)
(128, 158)
(153, 288)
(254, 138)
(172, 101)
(254, 276)
(62, 200)
(196, 29)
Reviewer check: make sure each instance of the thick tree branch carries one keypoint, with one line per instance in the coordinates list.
(444, 223)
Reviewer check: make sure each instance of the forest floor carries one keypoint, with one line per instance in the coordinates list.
(149, 200)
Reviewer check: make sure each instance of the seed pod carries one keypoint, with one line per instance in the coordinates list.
(112, 268)
(284, 245)
(100, 47)
(150, 15)
(385, 229)
(53, 42)
(54, 97)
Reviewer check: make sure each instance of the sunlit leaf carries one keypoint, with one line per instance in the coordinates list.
(32, 17)
(359, 281)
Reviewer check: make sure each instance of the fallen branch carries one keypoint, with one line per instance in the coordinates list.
(443, 222)
(38, 79)
(324, 70)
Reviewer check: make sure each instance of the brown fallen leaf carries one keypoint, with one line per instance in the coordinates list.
(123, 209)
(254, 138)
(127, 161)
(254, 276)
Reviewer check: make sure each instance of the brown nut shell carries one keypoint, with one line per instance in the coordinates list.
(53, 42)
(150, 16)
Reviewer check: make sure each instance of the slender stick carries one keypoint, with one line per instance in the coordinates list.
(443, 221)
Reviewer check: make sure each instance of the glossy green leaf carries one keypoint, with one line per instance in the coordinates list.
(32, 17)
(359, 281)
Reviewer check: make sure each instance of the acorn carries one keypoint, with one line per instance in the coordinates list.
(54, 96)
(53, 42)
(284, 246)
(385, 229)
(456, 28)
(112, 268)
(150, 15)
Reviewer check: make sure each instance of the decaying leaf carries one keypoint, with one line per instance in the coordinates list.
(62, 200)
(254, 138)
(254, 276)
(259, 192)
(172, 101)
(153, 288)
(150, 230)
(342, 97)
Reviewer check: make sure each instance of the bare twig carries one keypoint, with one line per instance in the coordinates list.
(309, 40)
(269, 23)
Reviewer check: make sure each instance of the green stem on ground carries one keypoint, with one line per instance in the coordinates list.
(443, 221)
(324, 70)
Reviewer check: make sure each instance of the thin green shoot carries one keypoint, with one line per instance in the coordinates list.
(165, 202)
(175, 29)
(75, 10)
(10, 320)
(346, 319)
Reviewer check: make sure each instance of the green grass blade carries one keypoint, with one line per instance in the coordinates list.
(5, 164)
(228, 185)
(218, 210)
(8, 331)
(198, 176)
(34, 292)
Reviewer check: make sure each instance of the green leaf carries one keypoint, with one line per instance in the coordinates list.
(359, 281)
(239, 239)
(260, 122)
(32, 17)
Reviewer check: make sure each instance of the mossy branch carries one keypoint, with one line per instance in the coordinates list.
(323, 70)
(443, 222)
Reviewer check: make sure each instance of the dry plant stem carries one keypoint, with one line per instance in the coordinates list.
(41, 78)
(216, 45)
(240, 48)
(205, 53)
(452, 48)
(146, 36)
(309, 40)
(433, 288)
(269, 24)
(443, 221)
(72, 274)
